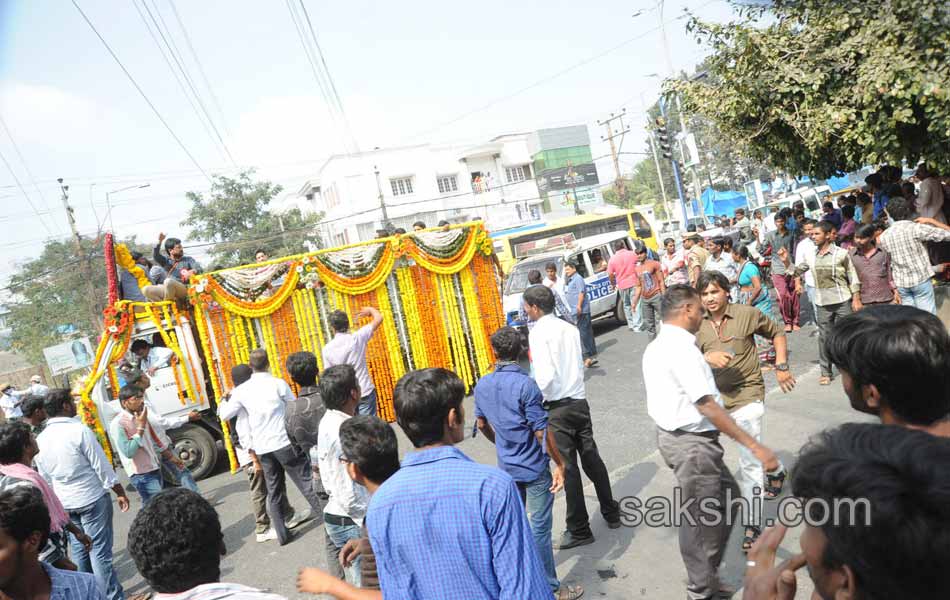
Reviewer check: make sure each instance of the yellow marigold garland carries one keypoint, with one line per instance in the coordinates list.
(124, 259)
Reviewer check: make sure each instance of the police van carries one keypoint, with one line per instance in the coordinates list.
(590, 254)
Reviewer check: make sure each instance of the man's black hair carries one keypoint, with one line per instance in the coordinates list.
(423, 400)
(874, 180)
(894, 190)
(133, 375)
(14, 439)
(23, 512)
(302, 367)
(399, 231)
(847, 211)
(900, 209)
(339, 321)
(171, 243)
(30, 404)
(639, 247)
(551, 266)
(811, 222)
(258, 361)
(865, 230)
(240, 374)
(712, 277)
(668, 240)
(260, 251)
(419, 224)
(370, 443)
(828, 204)
(337, 384)
(130, 391)
(691, 228)
(506, 342)
(619, 245)
(676, 296)
(901, 350)
(826, 226)
(443, 223)
(893, 536)
(534, 277)
(541, 297)
(56, 401)
(571, 263)
(139, 345)
(176, 541)
(863, 198)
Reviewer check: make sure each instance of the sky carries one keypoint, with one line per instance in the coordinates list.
(406, 73)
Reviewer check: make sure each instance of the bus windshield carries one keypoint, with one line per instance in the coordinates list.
(517, 280)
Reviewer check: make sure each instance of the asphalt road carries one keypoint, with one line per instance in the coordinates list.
(625, 435)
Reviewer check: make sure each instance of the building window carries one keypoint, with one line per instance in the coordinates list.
(448, 183)
(402, 186)
(518, 173)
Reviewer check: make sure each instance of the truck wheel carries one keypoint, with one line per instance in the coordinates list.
(619, 314)
(196, 448)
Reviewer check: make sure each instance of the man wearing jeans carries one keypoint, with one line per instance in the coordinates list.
(837, 287)
(508, 411)
(647, 296)
(575, 289)
(346, 508)
(783, 240)
(350, 349)
(683, 401)
(622, 271)
(905, 243)
(262, 401)
(726, 338)
(559, 372)
(72, 460)
(138, 444)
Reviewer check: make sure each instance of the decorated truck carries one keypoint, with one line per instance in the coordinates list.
(438, 291)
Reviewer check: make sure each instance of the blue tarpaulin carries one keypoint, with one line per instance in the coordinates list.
(722, 203)
(838, 183)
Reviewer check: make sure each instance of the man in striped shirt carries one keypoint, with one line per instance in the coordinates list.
(905, 243)
(837, 287)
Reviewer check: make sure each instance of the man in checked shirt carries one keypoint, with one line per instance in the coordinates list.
(905, 243)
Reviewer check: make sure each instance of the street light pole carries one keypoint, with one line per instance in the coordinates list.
(382, 202)
(109, 202)
(573, 177)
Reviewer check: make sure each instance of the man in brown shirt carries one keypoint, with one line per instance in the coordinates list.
(696, 255)
(727, 340)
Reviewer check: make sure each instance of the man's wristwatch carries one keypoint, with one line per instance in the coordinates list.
(781, 367)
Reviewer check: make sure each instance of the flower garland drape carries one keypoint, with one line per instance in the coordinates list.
(437, 290)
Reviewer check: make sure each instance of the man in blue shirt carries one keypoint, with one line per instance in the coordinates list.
(876, 184)
(575, 290)
(444, 527)
(24, 527)
(509, 412)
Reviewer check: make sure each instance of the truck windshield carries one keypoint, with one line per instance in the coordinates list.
(518, 278)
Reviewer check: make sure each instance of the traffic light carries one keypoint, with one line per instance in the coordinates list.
(663, 138)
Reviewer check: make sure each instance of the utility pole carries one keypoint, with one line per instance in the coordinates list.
(614, 149)
(96, 318)
(659, 174)
(572, 175)
(382, 202)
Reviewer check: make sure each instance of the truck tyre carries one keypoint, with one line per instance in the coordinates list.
(196, 448)
(619, 314)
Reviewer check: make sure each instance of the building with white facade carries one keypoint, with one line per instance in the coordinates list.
(493, 181)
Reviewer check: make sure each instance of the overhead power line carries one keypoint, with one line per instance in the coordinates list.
(29, 174)
(25, 195)
(140, 91)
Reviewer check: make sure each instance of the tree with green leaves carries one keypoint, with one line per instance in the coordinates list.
(235, 217)
(821, 88)
(49, 299)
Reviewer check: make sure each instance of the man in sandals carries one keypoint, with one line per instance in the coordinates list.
(726, 338)
(683, 401)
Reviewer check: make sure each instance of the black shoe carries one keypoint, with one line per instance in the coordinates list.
(614, 524)
(569, 541)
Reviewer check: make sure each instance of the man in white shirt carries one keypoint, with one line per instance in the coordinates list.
(683, 401)
(559, 371)
(72, 460)
(805, 253)
(151, 358)
(10, 402)
(262, 401)
(344, 513)
(36, 387)
(350, 349)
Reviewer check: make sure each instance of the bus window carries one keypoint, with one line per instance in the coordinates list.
(641, 226)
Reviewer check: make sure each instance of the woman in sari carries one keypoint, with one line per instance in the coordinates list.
(752, 292)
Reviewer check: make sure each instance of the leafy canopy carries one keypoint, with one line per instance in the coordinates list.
(818, 87)
(235, 218)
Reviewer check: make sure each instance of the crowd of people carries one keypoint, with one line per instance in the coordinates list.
(438, 525)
